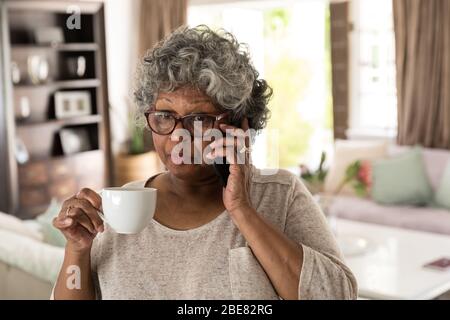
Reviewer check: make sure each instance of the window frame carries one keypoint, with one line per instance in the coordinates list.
(356, 129)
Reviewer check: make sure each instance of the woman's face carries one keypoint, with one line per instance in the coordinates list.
(181, 102)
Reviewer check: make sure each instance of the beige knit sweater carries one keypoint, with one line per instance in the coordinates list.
(213, 261)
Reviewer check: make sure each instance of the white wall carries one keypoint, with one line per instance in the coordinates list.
(121, 19)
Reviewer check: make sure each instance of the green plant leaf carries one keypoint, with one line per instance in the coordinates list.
(137, 141)
(323, 157)
(352, 170)
(322, 175)
(360, 188)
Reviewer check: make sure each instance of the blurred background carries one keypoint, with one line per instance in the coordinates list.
(360, 112)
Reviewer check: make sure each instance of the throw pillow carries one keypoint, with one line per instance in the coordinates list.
(51, 235)
(401, 180)
(17, 226)
(442, 196)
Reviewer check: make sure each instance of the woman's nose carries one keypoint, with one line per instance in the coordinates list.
(179, 125)
(180, 135)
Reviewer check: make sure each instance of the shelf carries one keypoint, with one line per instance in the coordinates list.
(58, 47)
(62, 156)
(64, 84)
(90, 119)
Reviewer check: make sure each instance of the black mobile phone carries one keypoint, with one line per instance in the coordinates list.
(222, 169)
(221, 166)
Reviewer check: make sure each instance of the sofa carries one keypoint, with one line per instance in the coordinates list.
(29, 263)
(16, 284)
(426, 218)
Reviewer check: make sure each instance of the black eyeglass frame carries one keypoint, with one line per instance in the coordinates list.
(182, 119)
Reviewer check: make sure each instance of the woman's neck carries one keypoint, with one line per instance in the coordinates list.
(195, 189)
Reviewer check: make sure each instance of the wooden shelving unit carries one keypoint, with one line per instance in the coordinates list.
(90, 119)
(58, 47)
(64, 84)
(50, 173)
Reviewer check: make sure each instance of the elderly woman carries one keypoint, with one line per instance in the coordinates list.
(259, 237)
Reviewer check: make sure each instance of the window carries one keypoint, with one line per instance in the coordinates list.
(373, 87)
(288, 41)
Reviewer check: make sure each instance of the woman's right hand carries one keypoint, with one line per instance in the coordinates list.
(79, 221)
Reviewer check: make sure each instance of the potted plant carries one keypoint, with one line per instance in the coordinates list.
(359, 176)
(314, 180)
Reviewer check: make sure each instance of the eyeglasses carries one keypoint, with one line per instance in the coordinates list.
(164, 122)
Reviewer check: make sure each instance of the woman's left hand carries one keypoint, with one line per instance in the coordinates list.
(236, 148)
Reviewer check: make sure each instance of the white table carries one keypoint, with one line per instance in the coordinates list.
(392, 266)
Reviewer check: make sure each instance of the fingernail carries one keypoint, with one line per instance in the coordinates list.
(67, 221)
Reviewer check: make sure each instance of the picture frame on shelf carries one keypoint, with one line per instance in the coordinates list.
(74, 140)
(70, 104)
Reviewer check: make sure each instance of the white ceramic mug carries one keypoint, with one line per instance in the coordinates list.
(128, 210)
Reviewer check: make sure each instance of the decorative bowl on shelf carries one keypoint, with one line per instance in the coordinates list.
(38, 69)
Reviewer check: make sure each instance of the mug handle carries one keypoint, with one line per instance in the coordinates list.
(102, 216)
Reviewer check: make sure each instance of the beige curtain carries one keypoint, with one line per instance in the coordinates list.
(340, 47)
(422, 36)
(157, 19)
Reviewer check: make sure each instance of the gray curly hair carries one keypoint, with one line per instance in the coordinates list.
(213, 62)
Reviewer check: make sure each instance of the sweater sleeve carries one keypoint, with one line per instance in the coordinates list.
(323, 273)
